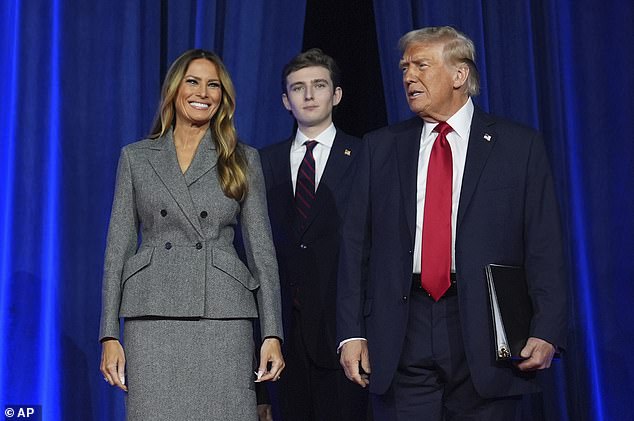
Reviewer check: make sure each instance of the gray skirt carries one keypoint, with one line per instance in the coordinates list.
(189, 369)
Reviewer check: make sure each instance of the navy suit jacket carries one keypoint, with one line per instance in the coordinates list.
(507, 214)
(308, 258)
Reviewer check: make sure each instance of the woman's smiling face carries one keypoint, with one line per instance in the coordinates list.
(199, 94)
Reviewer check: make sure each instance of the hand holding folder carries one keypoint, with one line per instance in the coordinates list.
(511, 309)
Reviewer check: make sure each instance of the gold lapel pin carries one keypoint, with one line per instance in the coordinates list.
(487, 137)
(347, 152)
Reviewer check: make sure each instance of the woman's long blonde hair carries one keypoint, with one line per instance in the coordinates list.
(232, 164)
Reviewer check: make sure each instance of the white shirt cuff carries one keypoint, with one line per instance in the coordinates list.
(348, 340)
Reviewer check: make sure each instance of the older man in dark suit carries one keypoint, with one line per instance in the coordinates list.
(435, 199)
(308, 180)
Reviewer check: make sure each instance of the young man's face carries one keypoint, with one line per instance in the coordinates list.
(311, 96)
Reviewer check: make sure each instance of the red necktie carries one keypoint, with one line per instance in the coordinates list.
(436, 246)
(305, 187)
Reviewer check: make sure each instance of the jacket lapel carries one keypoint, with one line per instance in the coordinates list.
(407, 145)
(165, 164)
(482, 138)
(205, 159)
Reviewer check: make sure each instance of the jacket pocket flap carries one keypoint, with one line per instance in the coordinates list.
(137, 262)
(233, 266)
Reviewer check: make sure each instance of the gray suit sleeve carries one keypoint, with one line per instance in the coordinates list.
(259, 248)
(121, 244)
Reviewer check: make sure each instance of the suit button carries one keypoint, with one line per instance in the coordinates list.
(168, 245)
(199, 246)
(163, 212)
(303, 246)
(404, 298)
(203, 214)
(411, 251)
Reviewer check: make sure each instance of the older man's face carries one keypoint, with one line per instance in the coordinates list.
(430, 82)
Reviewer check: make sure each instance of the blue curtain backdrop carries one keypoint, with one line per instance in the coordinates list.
(563, 67)
(80, 79)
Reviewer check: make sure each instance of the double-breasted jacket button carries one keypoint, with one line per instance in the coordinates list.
(203, 214)
(168, 245)
(404, 298)
(303, 246)
(199, 246)
(163, 213)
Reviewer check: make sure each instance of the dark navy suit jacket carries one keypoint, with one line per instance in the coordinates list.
(308, 258)
(507, 214)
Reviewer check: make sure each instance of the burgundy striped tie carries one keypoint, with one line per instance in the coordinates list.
(305, 188)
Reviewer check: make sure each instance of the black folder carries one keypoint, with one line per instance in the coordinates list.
(511, 309)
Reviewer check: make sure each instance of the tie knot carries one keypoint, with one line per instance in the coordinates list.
(310, 145)
(443, 128)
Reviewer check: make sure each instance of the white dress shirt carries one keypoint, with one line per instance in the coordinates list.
(321, 152)
(458, 141)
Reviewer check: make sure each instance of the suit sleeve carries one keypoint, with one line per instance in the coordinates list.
(355, 246)
(266, 168)
(544, 260)
(259, 249)
(121, 245)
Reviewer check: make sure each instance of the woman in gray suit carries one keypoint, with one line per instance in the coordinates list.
(186, 299)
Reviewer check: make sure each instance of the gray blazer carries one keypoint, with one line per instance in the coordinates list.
(186, 264)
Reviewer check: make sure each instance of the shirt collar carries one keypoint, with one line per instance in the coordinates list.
(460, 121)
(325, 138)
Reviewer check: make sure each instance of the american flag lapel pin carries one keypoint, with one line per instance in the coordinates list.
(487, 137)
(347, 152)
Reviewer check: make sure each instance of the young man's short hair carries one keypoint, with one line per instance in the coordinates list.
(309, 58)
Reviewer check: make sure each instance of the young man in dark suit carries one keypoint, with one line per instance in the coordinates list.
(436, 199)
(308, 181)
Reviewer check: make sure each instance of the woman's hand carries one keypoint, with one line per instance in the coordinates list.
(270, 352)
(113, 363)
